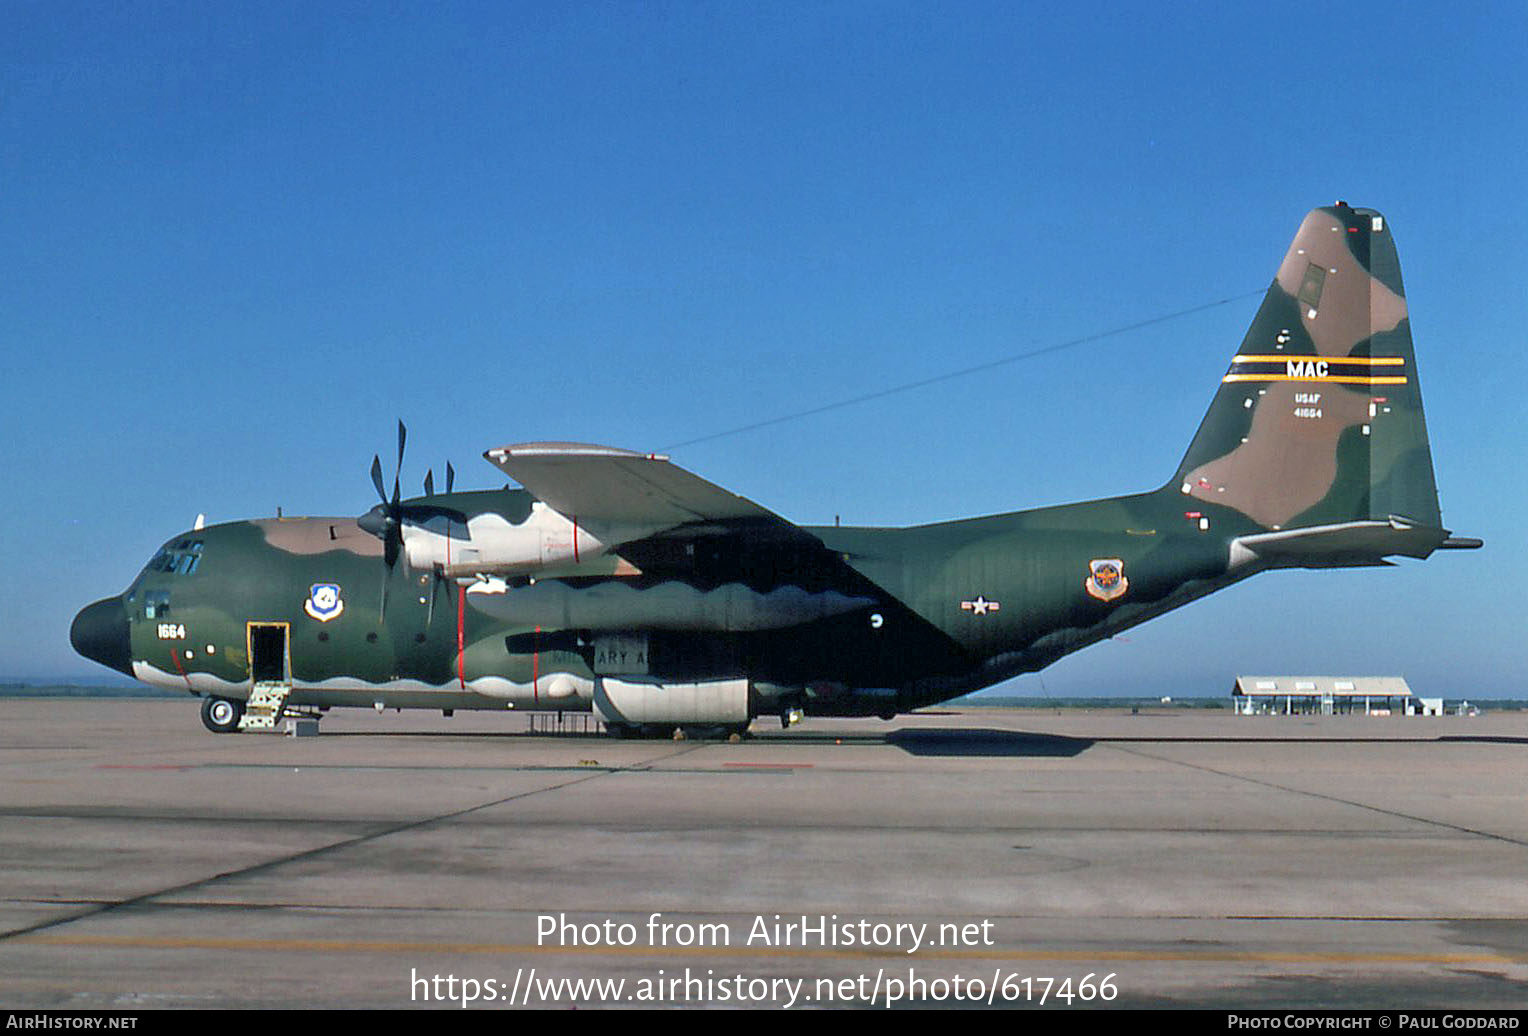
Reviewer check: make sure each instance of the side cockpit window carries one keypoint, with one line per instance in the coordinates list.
(156, 604)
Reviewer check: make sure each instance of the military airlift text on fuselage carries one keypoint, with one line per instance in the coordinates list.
(619, 583)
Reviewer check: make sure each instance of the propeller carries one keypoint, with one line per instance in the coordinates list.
(386, 520)
(429, 490)
(429, 480)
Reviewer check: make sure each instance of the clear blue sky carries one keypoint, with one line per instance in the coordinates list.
(241, 240)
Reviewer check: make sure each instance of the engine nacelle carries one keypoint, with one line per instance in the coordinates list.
(490, 544)
(623, 703)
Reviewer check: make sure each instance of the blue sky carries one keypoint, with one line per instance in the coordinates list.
(241, 240)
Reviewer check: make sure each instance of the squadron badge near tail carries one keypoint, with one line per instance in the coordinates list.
(1106, 579)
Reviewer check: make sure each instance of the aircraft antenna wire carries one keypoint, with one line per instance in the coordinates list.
(936, 379)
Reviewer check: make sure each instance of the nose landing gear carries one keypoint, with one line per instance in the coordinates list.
(222, 715)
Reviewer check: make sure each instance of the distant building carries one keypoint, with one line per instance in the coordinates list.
(1328, 695)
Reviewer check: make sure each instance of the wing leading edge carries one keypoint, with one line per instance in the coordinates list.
(621, 495)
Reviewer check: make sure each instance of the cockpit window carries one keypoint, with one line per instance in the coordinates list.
(180, 559)
(156, 604)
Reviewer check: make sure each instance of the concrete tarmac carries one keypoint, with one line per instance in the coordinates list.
(1172, 858)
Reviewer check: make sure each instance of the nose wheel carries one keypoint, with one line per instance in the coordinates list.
(222, 715)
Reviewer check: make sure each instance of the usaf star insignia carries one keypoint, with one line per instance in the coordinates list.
(980, 606)
(1107, 580)
(324, 602)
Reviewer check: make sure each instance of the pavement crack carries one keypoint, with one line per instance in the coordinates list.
(308, 854)
(1325, 797)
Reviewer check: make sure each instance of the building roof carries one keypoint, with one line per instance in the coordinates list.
(1320, 686)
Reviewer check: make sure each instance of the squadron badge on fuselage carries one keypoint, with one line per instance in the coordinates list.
(1107, 580)
(324, 602)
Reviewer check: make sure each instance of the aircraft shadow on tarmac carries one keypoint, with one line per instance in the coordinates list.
(951, 742)
(978, 742)
(463, 735)
(974, 742)
(983, 742)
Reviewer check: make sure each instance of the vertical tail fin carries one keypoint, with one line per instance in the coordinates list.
(1319, 420)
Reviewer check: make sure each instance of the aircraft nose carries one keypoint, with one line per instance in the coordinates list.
(100, 634)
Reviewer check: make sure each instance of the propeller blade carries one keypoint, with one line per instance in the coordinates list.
(376, 477)
(403, 434)
(429, 482)
(450, 477)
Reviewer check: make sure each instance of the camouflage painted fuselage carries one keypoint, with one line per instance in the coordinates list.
(948, 608)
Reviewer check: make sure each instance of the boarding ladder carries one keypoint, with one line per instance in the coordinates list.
(267, 703)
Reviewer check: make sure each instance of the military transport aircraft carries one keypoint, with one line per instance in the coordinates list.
(616, 582)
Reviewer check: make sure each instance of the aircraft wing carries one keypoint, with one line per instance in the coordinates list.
(627, 495)
(671, 524)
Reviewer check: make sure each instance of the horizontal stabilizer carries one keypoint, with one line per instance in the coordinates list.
(1341, 545)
